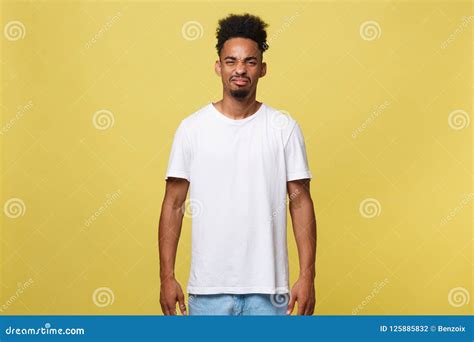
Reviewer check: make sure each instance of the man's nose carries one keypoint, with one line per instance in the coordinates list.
(241, 68)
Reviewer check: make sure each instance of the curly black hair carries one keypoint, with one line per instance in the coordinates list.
(244, 26)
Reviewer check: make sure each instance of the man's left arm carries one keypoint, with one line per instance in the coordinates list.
(304, 227)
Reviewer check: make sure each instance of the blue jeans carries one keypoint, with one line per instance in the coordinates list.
(238, 304)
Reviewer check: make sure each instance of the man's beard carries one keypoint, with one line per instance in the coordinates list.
(239, 93)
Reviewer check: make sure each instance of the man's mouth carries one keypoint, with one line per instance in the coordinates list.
(240, 81)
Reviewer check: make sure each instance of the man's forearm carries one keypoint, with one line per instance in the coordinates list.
(304, 227)
(168, 237)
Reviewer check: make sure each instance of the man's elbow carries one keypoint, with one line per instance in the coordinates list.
(301, 202)
(173, 203)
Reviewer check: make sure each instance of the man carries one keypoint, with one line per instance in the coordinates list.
(240, 158)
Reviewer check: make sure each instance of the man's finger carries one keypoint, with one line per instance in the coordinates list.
(165, 310)
(301, 307)
(171, 308)
(291, 305)
(182, 304)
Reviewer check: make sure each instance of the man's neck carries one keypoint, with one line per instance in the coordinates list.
(237, 109)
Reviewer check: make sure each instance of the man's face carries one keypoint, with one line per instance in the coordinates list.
(240, 66)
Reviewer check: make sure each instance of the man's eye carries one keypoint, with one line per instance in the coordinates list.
(252, 63)
(229, 63)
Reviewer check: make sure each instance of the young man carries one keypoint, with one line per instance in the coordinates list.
(240, 158)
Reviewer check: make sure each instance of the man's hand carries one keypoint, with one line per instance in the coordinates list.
(303, 292)
(170, 293)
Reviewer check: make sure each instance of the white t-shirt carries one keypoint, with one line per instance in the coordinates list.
(238, 172)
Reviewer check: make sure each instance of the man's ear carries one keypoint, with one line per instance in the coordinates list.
(217, 68)
(264, 69)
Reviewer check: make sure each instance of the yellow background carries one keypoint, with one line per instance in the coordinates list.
(142, 69)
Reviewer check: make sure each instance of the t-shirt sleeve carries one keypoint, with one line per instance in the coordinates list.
(180, 156)
(295, 156)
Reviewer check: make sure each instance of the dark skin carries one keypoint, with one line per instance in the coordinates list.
(169, 232)
(240, 58)
(304, 228)
(240, 66)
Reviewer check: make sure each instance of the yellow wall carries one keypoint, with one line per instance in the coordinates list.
(385, 112)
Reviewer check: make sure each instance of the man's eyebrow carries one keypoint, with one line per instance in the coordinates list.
(245, 59)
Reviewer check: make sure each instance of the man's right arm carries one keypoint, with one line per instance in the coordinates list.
(169, 232)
